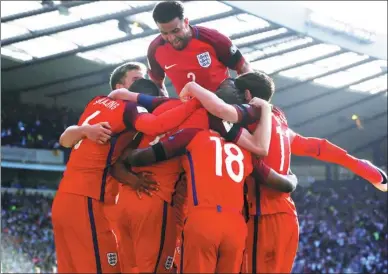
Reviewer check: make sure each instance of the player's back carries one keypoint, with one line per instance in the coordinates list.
(216, 171)
(87, 169)
(166, 173)
(279, 158)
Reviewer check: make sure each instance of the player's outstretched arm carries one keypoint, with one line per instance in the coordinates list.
(99, 133)
(174, 146)
(210, 102)
(270, 178)
(155, 125)
(324, 150)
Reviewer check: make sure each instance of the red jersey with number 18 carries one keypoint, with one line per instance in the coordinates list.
(216, 171)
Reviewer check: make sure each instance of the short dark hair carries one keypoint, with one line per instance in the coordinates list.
(119, 73)
(167, 11)
(229, 93)
(260, 84)
(145, 86)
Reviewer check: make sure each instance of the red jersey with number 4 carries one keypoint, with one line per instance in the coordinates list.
(216, 171)
(279, 157)
(87, 169)
(205, 59)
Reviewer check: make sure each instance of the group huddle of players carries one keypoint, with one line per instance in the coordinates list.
(195, 184)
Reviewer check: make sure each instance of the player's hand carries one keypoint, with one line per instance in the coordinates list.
(257, 102)
(185, 93)
(145, 184)
(99, 133)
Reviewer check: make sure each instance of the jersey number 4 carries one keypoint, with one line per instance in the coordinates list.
(230, 158)
(86, 122)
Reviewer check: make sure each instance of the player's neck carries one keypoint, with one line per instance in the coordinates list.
(191, 32)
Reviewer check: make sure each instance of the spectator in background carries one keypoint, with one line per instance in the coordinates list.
(36, 126)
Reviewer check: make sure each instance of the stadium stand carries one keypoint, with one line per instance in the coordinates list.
(37, 126)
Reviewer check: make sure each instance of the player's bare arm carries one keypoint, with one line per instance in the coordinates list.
(258, 142)
(324, 150)
(243, 67)
(270, 178)
(262, 134)
(148, 101)
(174, 146)
(123, 94)
(99, 133)
(215, 105)
(141, 182)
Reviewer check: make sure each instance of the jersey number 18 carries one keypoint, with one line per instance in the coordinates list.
(230, 158)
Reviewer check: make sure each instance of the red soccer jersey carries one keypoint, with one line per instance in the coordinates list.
(205, 60)
(87, 169)
(216, 171)
(166, 173)
(279, 156)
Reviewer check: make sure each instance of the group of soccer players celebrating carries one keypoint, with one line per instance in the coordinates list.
(195, 184)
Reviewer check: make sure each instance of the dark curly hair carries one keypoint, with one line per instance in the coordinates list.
(260, 84)
(229, 93)
(167, 11)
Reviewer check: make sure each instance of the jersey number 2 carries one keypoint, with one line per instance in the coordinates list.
(86, 122)
(230, 158)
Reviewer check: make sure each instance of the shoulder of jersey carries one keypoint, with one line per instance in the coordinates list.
(158, 41)
(279, 113)
(206, 30)
(95, 98)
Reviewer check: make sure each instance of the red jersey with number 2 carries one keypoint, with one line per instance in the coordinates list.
(279, 158)
(205, 59)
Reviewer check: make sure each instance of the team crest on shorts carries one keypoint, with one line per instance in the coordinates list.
(169, 262)
(204, 59)
(112, 258)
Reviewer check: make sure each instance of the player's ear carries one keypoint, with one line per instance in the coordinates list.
(248, 95)
(186, 21)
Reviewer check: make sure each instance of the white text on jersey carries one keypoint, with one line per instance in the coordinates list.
(108, 103)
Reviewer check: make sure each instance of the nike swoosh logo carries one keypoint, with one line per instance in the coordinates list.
(168, 67)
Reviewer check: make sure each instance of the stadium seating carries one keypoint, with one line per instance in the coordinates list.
(33, 126)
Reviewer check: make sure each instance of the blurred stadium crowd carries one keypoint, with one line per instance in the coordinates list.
(342, 230)
(36, 126)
